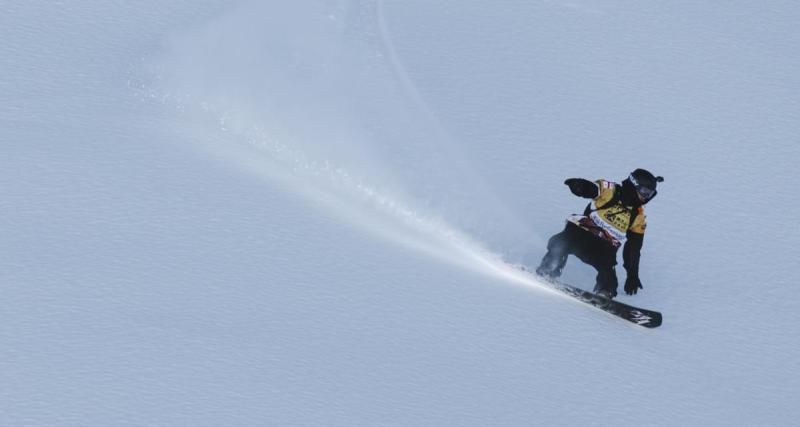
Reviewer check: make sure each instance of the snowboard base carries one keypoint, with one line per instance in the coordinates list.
(640, 316)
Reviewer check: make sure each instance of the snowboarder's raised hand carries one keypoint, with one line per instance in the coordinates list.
(582, 187)
(632, 284)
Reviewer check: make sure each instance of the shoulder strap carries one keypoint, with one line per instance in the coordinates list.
(614, 200)
(634, 214)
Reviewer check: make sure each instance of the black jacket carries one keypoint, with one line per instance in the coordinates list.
(631, 253)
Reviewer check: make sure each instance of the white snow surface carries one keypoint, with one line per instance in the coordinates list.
(305, 213)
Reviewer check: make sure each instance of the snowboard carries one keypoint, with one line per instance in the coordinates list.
(639, 316)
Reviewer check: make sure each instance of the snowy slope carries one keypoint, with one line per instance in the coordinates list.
(256, 213)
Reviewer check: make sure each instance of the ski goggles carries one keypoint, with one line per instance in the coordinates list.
(646, 193)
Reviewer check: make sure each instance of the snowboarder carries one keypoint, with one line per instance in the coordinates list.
(614, 217)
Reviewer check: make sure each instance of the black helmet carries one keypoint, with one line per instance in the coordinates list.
(645, 184)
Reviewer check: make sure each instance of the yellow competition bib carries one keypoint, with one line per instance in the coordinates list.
(610, 222)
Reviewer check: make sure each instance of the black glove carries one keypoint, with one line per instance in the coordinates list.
(632, 284)
(582, 187)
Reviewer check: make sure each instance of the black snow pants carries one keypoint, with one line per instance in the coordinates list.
(590, 249)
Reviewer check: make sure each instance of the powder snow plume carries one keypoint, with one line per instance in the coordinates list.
(310, 95)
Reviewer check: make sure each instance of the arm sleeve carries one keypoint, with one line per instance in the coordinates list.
(583, 188)
(631, 253)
